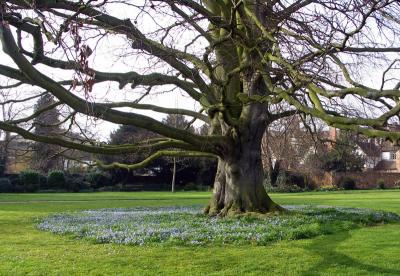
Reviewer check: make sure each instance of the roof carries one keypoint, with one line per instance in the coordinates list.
(369, 148)
(389, 146)
(386, 165)
(393, 127)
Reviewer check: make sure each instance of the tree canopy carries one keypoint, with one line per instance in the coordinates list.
(246, 63)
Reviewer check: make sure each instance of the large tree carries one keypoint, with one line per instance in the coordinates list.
(246, 63)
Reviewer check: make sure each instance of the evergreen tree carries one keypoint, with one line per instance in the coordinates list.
(343, 156)
(45, 156)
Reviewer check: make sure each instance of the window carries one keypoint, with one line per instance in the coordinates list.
(393, 156)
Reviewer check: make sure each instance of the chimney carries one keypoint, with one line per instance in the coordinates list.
(333, 133)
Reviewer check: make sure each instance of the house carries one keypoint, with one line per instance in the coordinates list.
(370, 152)
(379, 155)
(19, 152)
(76, 161)
(389, 158)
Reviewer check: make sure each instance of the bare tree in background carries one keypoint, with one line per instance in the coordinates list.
(247, 63)
(291, 144)
(177, 121)
(12, 106)
(5, 136)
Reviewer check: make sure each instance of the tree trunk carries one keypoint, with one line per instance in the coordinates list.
(173, 176)
(238, 186)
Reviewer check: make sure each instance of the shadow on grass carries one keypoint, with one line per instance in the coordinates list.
(327, 249)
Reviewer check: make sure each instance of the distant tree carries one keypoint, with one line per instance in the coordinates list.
(47, 122)
(2, 165)
(343, 156)
(8, 112)
(128, 134)
(178, 121)
(290, 144)
(199, 170)
(206, 167)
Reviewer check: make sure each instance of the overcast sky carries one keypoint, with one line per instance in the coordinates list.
(112, 54)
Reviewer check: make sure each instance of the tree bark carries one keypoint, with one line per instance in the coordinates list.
(238, 185)
(238, 188)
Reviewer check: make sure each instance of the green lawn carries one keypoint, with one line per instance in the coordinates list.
(25, 250)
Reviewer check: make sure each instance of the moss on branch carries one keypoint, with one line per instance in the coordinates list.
(153, 157)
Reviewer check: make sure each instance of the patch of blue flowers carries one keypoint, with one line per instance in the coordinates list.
(188, 226)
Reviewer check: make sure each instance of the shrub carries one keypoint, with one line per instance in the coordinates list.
(328, 189)
(98, 179)
(286, 188)
(2, 169)
(56, 180)
(5, 185)
(107, 189)
(76, 183)
(296, 179)
(43, 182)
(380, 184)
(30, 180)
(119, 187)
(290, 182)
(204, 188)
(396, 184)
(348, 183)
(190, 187)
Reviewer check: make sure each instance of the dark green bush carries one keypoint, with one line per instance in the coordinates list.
(284, 189)
(2, 168)
(107, 189)
(290, 182)
(328, 189)
(56, 180)
(380, 184)
(98, 179)
(119, 187)
(30, 180)
(43, 182)
(76, 183)
(16, 183)
(5, 185)
(190, 187)
(348, 183)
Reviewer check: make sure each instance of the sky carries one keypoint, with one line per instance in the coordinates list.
(113, 55)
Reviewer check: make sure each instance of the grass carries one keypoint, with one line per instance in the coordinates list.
(26, 250)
